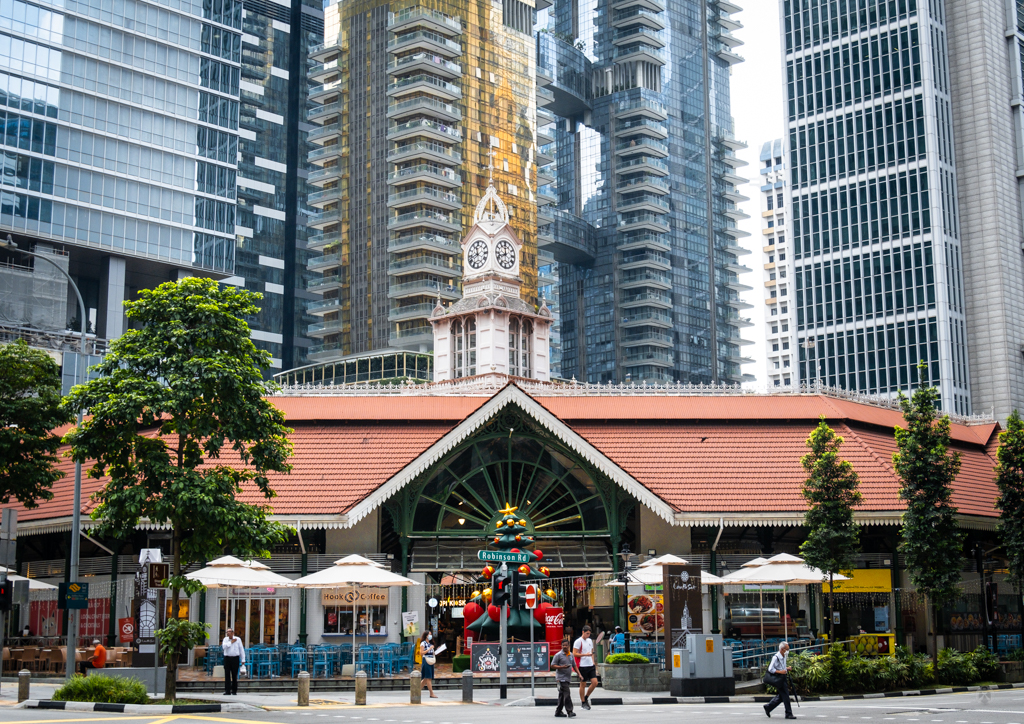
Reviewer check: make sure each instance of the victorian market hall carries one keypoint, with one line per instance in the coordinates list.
(418, 476)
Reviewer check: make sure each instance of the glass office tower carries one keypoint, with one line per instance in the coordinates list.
(421, 103)
(876, 242)
(634, 98)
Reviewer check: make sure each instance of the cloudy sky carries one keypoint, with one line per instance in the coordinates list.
(757, 110)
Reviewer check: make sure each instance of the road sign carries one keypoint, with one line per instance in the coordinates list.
(127, 626)
(73, 595)
(504, 556)
(531, 596)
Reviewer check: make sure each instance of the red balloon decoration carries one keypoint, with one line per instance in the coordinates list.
(494, 612)
(539, 554)
(472, 611)
(488, 571)
(515, 550)
(524, 569)
(538, 613)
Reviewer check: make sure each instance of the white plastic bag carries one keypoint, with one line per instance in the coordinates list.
(241, 671)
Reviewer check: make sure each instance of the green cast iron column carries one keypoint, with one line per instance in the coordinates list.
(714, 594)
(112, 628)
(302, 605)
(813, 610)
(897, 612)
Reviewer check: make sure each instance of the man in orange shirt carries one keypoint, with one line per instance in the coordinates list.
(98, 661)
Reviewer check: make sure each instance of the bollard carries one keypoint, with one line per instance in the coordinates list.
(24, 677)
(303, 688)
(415, 692)
(360, 688)
(467, 686)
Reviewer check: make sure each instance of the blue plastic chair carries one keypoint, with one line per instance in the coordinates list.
(297, 658)
(322, 662)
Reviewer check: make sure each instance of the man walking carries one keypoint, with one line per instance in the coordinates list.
(563, 664)
(234, 656)
(779, 668)
(584, 649)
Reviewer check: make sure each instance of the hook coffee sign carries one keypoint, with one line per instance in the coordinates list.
(354, 596)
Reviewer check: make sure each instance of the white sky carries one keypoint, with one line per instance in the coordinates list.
(757, 92)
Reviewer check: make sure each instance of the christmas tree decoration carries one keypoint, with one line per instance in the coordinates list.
(512, 535)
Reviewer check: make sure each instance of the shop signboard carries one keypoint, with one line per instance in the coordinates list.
(354, 597)
(486, 657)
(684, 612)
(646, 614)
(863, 580)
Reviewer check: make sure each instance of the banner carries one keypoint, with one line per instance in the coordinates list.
(684, 612)
(354, 596)
(863, 580)
(485, 657)
(646, 614)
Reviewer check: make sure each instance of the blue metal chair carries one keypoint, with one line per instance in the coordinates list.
(297, 658)
(322, 662)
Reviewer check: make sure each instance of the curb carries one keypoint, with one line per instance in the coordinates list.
(635, 700)
(134, 708)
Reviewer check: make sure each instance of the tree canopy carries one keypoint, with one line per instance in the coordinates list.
(175, 390)
(1010, 479)
(30, 411)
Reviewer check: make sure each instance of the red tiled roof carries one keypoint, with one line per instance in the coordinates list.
(748, 460)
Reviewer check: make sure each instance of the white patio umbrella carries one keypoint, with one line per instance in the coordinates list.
(231, 572)
(33, 584)
(352, 572)
(667, 559)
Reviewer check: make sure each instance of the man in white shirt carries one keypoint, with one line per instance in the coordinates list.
(584, 650)
(234, 656)
(780, 667)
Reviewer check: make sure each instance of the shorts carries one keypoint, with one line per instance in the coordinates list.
(588, 672)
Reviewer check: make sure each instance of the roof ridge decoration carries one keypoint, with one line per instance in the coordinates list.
(491, 207)
(511, 393)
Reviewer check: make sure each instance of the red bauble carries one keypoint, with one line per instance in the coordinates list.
(488, 571)
(538, 613)
(539, 554)
(472, 611)
(545, 570)
(524, 569)
(515, 550)
(494, 612)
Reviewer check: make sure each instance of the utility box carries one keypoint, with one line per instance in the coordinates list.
(703, 668)
(706, 654)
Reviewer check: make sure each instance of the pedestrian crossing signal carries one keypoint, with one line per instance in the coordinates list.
(6, 595)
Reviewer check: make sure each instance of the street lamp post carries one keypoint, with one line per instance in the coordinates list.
(624, 580)
(76, 513)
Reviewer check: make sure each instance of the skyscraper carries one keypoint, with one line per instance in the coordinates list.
(644, 179)
(780, 332)
(421, 103)
(876, 234)
(147, 142)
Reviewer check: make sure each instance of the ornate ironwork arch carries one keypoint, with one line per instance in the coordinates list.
(511, 461)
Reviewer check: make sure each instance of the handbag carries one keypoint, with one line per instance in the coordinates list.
(772, 679)
(429, 660)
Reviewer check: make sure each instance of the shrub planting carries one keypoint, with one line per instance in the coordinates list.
(103, 689)
(627, 659)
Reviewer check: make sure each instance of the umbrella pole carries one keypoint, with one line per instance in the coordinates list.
(355, 617)
(760, 609)
(785, 616)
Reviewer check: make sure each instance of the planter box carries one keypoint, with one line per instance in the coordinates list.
(1012, 671)
(630, 677)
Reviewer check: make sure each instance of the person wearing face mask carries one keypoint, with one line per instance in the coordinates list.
(427, 667)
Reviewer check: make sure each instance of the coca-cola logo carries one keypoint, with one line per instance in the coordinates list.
(554, 619)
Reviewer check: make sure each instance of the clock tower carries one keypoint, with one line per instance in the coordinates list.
(491, 330)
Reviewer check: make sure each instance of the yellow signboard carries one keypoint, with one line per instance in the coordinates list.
(864, 580)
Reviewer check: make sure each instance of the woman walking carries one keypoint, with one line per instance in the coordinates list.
(427, 667)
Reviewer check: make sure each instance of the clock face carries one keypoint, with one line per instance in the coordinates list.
(477, 255)
(505, 254)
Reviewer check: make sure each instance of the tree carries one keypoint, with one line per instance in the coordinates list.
(174, 391)
(831, 493)
(30, 410)
(932, 543)
(1010, 479)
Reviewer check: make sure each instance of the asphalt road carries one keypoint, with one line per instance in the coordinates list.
(996, 707)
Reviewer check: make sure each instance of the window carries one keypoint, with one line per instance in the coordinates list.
(776, 365)
(785, 363)
(782, 256)
(785, 345)
(775, 329)
(520, 333)
(775, 347)
(256, 620)
(769, 202)
(780, 220)
(464, 348)
(778, 160)
(338, 619)
(785, 327)
(777, 383)
(771, 223)
(771, 258)
(768, 163)
(778, 201)
(787, 382)
(785, 309)
(775, 312)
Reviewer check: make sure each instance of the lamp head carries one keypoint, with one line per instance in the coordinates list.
(8, 243)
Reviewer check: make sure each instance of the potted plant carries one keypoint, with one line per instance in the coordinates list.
(629, 672)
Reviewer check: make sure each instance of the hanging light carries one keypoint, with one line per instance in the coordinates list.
(462, 521)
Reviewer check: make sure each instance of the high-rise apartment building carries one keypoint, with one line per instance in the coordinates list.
(420, 104)
(148, 141)
(780, 332)
(635, 110)
(876, 236)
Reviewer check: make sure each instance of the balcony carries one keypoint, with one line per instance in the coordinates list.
(324, 218)
(320, 241)
(325, 307)
(424, 104)
(322, 70)
(651, 184)
(646, 146)
(632, 35)
(646, 221)
(425, 264)
(323, 329)
(645, 278)
(324, 133)
(545, 198)
(326, 90)
(411, 311)
(425, 242)
(425, 172)
(644, 202)
(642, 126)
(425, 218)
(646, 299)
(423, 127)
(656, 6)
(321, 155)
(568, 238)
(424, 83)
(331, 109)
(645, 164)
(634, 261)
(420, 17)
(326, 196)
(648, 319)
(649, 356)
(319, 286)
(425, 195)
(641, 51)
(427, 63)
(424, 40)
(568, 72)
(414, 336)
(326, 352)
(325, 174)
(330, 45)
(629, 242)
(639, 16)
(424, 288)
(644, 107)
(424, 149)
(649, 337)
(324, 262)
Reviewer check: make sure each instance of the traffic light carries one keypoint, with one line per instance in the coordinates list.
(500, 590)
(517, 595)
(6, 595)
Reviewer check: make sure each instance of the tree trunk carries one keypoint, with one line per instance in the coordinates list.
(935, 639)
(171, 682)
(831, 615)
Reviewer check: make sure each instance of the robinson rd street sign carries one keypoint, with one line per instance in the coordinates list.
(503, 556)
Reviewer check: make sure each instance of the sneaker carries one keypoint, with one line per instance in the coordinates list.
(560, 714)
(790, 716)
(585, 705)
(767, 711)
(572, 714)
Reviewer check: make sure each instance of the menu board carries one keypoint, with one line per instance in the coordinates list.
(485, 657)
(683, 608)
(646, 614)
